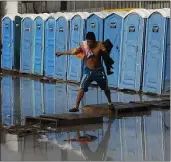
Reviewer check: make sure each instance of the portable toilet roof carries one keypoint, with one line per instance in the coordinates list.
(57, 15)
(43, 16)
(52, 16)
(167, 10)
(67, 15)
(142, 12)
(32, 16)
(83, 15)
(121, 14)
(102, 15)
(11, 16)
(164, 12)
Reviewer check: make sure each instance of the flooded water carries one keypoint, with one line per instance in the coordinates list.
(145, 137)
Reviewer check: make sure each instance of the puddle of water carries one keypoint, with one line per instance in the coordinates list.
(139, 138)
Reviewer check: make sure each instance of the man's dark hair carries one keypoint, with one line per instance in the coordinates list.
(91, 36)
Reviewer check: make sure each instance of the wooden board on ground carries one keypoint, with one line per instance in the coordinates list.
(74, 119)
(63, 120)
(120, 108)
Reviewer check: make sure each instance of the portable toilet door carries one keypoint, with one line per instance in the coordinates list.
(77, 35)
(132, 49)
(166, 85)
(157, 54)
(113, 31)
(38, 48)
(26, 59)
(7, 42)
(61, 44)
(95, 24)
(17, 41)
(49, 58)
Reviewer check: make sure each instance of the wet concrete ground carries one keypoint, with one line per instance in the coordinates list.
(139, 138)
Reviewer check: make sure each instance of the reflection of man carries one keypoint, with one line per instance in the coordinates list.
(100, 153)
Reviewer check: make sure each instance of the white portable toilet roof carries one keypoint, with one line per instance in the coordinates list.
(121, 14)
(57, 15)
(142, 12)
(165, 12)
(102, 15)
(11, 16)
(32, 16)
(43, 16)
(68, 16)
(52, 15)
(83, 15)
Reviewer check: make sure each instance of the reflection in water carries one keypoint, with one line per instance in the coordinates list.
(100, 153)
(140, 138)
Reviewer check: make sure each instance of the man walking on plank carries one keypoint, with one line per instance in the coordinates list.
(91, 51)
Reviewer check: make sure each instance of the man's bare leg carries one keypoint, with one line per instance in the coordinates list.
(80, 95)
(108, 96)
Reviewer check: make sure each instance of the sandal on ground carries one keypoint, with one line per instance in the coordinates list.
(74, 110)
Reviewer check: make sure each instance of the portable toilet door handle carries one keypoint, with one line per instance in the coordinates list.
(137, 49)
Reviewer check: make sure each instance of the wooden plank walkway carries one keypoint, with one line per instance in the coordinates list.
(63, 120)
(122, 108)
(93, 114)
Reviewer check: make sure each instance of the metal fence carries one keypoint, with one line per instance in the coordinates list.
(86, 6)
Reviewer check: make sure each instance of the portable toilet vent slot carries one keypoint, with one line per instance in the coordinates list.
(112, 25)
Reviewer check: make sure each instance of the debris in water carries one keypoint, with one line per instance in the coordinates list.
(86, 138)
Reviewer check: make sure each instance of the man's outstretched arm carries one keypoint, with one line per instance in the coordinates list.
(74, 51)
(70, 52)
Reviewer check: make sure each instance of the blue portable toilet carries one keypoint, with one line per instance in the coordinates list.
(77, 35)
(38, 46)
(49, 98)
(113, 28)
(49, 55)
(156, 77)
(26, 59)
(11, 36)
(26, 97)
(62, 44)
(7, 92)
(131, 57)
(38, 105)
(95, 24)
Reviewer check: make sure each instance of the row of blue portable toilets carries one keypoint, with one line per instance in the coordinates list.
(141, 40)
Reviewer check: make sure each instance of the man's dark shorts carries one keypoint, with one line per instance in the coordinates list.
(91, 75)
